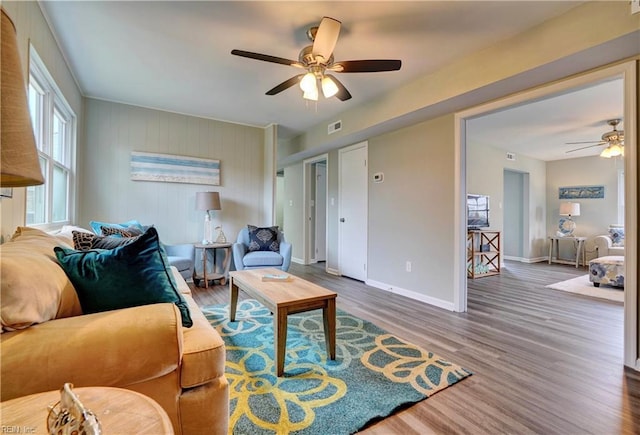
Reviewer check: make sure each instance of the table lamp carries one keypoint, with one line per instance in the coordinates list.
(568, 209)
(19, 161)
(207, 201)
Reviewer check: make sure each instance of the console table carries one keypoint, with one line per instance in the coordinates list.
(219, 273)
(578, 246)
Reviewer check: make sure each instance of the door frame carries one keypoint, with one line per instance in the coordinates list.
(364, 144)
(626, 70)
(306, 202)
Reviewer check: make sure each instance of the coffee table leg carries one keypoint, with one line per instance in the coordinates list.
(234, 300)
(329, 315)
(280, 339)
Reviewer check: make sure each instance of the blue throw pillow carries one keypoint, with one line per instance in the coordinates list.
(263, 239)
(97, 226)
(617, 236)
(135, 274)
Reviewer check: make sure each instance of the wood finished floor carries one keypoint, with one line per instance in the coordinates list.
(544, 361)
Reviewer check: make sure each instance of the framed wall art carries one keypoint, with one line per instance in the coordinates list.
(174, 169)
(581, 192)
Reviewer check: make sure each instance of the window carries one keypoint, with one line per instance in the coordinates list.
(54, 127)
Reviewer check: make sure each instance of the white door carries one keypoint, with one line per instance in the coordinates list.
(321, 212)
(353, 211)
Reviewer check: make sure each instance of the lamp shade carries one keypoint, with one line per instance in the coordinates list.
(570, 209)
(19, 162)
(208, 201)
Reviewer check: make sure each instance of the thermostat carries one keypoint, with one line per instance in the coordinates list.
(378, 177)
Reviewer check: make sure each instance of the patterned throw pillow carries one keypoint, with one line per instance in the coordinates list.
(96, 226)
(263, 239)
(617, 236)
(86, 241)
(120, 232)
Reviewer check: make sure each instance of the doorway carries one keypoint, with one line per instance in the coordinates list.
(515, 215)
(628, 73)
(315, 205)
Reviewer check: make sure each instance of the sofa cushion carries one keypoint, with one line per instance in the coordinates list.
(181, 263)
(33, 287)
(262, 258)
(203, 353)
(135, 274)
(96, 226)
(83, 241)
(263, 239)
(617, 235)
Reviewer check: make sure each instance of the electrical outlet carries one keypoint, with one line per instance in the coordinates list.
(408, 266)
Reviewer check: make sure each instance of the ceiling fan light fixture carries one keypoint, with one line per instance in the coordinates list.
(615, 150)
(308, 83)
(606, 153)
(329, 87)
(311, 94)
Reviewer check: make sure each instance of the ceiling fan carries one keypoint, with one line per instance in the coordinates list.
(614, 140)
(317, 60)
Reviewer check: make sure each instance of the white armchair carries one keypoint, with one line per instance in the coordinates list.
(611, 243)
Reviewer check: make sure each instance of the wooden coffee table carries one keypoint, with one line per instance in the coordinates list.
(284, 298)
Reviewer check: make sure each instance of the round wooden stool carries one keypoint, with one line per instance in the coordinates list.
(119, 412)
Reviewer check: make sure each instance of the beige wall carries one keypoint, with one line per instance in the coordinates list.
(595, 214)
(293, 210)
(485, 176)
(411, 212)
(108, 193)
(31, 26)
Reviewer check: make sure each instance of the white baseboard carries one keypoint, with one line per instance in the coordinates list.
(411, 295)
(297, 260)
(335, 272)
(526, 260)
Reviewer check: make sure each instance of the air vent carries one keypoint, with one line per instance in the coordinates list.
(511, 156)
(334, 126)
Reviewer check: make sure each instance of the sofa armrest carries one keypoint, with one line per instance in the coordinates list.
(285, 251)
(186, 250)
(114, 348)
(603, 243)
(239, 251)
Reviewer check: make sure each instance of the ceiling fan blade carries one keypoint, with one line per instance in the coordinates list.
(588, 141)
(326, 37)
(588, 146)
(267, 58)
(371, 65)
(285, 85)
(343, 94)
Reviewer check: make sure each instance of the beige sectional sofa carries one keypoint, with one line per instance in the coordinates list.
(46, 341)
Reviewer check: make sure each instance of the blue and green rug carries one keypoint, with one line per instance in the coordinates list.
(374, 374)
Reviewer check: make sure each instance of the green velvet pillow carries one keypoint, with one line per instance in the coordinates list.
(128, 276)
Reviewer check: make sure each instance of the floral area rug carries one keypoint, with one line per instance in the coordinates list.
(373, 375)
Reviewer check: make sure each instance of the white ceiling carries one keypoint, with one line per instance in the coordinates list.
(175, 56)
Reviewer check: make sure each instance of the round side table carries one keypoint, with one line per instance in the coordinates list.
(218, 273)
(119, 411)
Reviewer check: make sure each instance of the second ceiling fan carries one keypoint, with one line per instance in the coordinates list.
(614, 140)
(317, 59)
